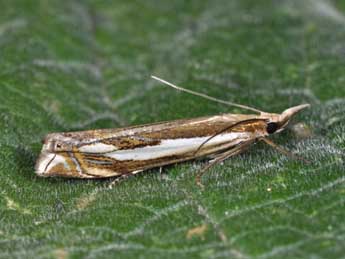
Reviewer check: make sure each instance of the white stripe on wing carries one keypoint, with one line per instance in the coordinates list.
(169, 147)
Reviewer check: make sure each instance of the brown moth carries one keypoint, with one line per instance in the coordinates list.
(126, 151)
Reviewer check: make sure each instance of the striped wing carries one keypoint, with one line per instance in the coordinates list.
(105, 153)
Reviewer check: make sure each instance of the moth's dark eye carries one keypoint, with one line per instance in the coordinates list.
(271, 127)
(58, 145)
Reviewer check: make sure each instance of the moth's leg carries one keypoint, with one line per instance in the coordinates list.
(284, 151)
(224, 130)
(211, 157)
(161, 175)
(122, 177)
(221, 157)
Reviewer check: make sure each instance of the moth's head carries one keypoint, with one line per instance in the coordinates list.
(56, 158)
(278, 122)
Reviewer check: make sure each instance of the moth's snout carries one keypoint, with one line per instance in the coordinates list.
(288, 113)
(285, 117)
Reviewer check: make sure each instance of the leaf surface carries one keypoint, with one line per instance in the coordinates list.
(75, 65)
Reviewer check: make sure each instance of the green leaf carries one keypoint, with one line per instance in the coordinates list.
(75, 65)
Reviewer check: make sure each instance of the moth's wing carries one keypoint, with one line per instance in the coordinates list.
(198, 126)
(138, 154)
(151, 146)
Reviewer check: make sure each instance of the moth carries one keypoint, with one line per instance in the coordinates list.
(126, 151)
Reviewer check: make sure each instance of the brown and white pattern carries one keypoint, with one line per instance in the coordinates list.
(115, 152)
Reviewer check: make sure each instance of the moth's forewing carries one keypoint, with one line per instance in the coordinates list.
(105, 153)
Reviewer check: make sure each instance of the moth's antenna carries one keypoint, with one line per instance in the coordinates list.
(206, 96)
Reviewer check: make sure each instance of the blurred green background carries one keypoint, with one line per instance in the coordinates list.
(75, 65)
